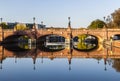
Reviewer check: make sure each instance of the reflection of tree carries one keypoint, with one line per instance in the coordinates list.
(23, 42)
(116, 64)
(82, 45)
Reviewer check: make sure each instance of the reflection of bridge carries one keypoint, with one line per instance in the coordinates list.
(102, 53)
(106, 54)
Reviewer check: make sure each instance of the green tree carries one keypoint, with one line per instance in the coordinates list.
(23, 42)
(21, 27)
(116, 17)
(96, 24)
(4, 25)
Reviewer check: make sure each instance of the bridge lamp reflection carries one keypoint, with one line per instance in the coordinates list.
(105, 68)
(1, 64)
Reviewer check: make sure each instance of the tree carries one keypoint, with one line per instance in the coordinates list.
(116, 65)
(116, 17)
(109, 22)
(21, 27)
(96, 24)
(4, 25)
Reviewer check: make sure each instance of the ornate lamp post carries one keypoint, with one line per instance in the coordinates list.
(34, 27)
(1, 19)
(69, 24)
(106, 27)
(41, 22)
(34, 20)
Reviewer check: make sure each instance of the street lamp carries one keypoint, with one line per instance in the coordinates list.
(41, 22)
(69, 24)
(1, 19)
(106, 26)
(34, 20)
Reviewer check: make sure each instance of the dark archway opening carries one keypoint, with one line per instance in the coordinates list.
(116, 37)
(51, 43)
(13, 42)
(85, 42)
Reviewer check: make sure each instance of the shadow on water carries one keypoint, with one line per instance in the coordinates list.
(86, 50)
(45, 49)
(11, 39)
(14, 47)
(11, 43)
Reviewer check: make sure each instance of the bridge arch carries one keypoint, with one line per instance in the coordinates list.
(44, 35)
(51, 42)
(85, 42)
(115, 37)
(13, 43)
(12, 38)
(100, 39)
(96, 37)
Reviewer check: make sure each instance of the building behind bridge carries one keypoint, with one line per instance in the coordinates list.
(11, 25)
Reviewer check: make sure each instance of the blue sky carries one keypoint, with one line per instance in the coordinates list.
(55, 12)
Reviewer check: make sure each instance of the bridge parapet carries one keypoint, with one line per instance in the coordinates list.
(100, 33)
(60, 32)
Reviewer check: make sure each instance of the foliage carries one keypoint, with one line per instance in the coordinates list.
(116, 64)
(96, 24)
(116, 17)
(23, 42)
(81, 44)
(4, 25)
(21, 27)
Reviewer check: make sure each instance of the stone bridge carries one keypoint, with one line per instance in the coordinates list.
(68, 33)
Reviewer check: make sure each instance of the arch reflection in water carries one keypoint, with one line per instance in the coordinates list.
(104, 54)
(48, 64)
(25, 42)
(51, 42)
(18, 42)
(85, 42)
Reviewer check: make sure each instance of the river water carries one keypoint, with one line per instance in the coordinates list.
(102, 64)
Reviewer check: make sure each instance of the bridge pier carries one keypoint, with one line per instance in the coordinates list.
(67, 43)
(1, 35)
(1, 54)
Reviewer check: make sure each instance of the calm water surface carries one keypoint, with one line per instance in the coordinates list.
(82, 68)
